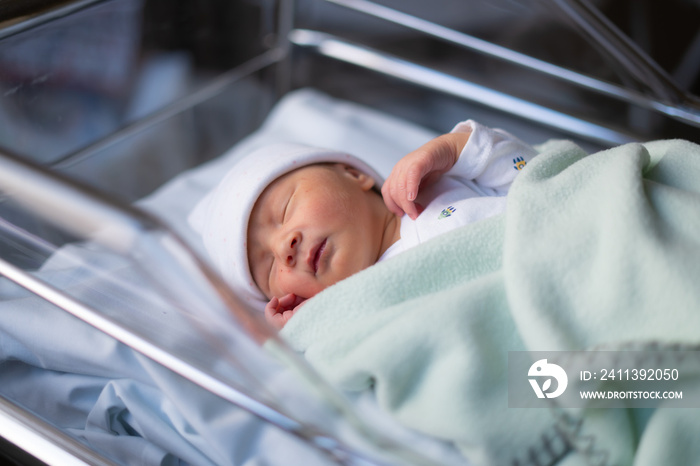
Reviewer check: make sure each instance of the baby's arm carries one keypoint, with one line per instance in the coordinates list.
(419, 169)
(491, 158)
(279, 310)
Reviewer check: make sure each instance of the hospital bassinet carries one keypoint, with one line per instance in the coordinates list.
(118, 344)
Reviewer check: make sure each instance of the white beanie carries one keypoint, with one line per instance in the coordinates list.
(222, 216)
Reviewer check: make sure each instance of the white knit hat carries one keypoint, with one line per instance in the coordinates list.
(221, 217)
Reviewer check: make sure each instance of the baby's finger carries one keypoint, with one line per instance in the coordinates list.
(286, 316)
(410, 209)
(290, 301)
(405, 200)
(276, 321)
(414, 176)
(287, 301)
(399, 204)
(271, 308)
(298, 302)
(272, 304)
(389, 200)
(397, 186)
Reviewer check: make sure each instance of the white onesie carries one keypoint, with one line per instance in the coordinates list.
(473, 189)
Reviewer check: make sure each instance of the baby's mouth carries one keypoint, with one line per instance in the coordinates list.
(316, 255)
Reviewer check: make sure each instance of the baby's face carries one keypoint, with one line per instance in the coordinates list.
(311, 228)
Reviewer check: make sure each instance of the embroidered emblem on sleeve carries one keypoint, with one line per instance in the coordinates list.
(446, 212)
(519, 163)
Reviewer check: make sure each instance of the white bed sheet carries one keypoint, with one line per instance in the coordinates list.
(124, 404)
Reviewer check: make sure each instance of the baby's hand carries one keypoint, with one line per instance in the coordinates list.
(418, 169)
(279, 310)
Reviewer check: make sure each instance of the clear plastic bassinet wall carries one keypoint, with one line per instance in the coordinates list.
(103, 103)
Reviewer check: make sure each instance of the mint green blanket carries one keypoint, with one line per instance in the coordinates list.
(592, 250)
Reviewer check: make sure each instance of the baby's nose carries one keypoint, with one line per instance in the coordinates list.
(290, 247)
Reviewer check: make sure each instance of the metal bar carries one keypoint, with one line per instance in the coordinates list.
(484, 47)
(688, 68)
(330, 46)
(689, 115)
(45, 17)
(637, 63)
(42, 440)
(64, 204)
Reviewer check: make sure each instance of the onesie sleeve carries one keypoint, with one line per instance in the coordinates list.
(491, 158)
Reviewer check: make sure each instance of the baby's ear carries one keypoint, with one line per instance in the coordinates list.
(365, 181)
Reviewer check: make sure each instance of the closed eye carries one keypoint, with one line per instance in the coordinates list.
(286, 206)
(284, 212)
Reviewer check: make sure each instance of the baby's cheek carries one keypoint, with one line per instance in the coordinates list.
(289, 281)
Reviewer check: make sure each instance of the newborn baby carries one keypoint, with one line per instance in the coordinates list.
(289, 221)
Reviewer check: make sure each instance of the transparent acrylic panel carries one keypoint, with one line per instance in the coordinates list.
(124, 302)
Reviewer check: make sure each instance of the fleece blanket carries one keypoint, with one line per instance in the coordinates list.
(593, 250)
